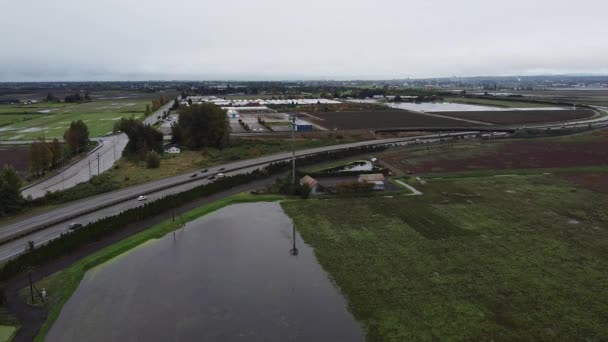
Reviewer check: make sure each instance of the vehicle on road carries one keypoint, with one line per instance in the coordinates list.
(221, 169)
(221, 175)
(193, 175)
(74, 226)
(142, 198)
(212, 177)
(205, 170)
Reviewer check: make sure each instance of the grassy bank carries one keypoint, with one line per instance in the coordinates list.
(61, 285)
(495, 258)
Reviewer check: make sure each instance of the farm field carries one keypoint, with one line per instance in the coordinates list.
(478, 258)
(569, 152)
(52, 120)
(380, 119)
(522, 116)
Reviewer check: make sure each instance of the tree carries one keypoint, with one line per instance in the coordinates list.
(175, 105)
(147, 112)
(77, 136)
(204, 125)
(10, 185)
(40, 157)
(51, 98)
(56, 152)
(142, 138)
(73, 98)
(153, 160)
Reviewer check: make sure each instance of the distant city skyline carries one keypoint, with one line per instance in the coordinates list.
(112, 40)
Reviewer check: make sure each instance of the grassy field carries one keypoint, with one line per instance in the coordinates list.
(7, 333)
(61, 285)
(27, 122)
(496, 103)
(491, 258)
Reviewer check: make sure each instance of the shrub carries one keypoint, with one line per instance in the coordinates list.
(153, 160)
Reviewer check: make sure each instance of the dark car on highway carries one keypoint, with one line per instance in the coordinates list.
(74, 226)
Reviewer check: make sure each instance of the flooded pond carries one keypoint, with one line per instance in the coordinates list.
(227, 276)
(361, 165)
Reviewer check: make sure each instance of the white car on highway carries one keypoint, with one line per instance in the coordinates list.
(142, 198)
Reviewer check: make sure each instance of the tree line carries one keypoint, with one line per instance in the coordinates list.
(45, 155)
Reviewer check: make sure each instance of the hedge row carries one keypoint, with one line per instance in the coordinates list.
(97, 230)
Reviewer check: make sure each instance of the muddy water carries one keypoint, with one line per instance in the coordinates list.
(227, 276)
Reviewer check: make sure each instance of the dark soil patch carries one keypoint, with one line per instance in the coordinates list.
(515, 155)
(522, 116)
(16, 156)
(382, 119)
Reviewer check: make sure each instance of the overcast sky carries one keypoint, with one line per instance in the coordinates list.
(287, 39)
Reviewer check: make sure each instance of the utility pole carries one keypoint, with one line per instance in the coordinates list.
(29, 273)
(98, 163)
(114, 145)
(90, 169)
(294, 250)
(293, 149)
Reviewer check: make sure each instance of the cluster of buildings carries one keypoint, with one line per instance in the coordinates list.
(376, 179)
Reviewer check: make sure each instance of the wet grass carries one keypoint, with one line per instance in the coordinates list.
(61, 285)
(492, 258)
(99, 116)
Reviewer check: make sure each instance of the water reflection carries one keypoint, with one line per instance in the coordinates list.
(224, 278)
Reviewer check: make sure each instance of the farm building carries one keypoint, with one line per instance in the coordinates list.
(303, 126)
(172, 149)
(376, 178)
(312, 184)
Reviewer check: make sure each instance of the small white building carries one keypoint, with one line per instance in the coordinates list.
(377, 179)
(312, 184)
(172, 149)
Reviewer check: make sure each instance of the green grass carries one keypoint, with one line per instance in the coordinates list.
(494, 258)
(99, 116)
(497, 103)
(61, 285)
(7, 333)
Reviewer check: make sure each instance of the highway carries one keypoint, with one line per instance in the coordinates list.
(93, 164)
(40, 228)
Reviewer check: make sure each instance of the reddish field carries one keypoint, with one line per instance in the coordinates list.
(381, 119)
(513, 155)
(522, 116)
(592, 181)
(17, 156)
